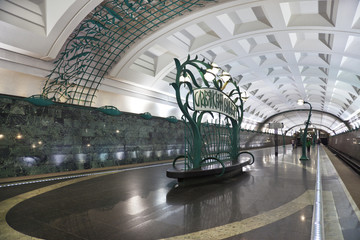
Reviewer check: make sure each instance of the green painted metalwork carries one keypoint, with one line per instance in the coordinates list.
(39, 100)
(146, 115)
(110, 110)
(172, 119)
(208, 143)
(100, 41)
(304, 136)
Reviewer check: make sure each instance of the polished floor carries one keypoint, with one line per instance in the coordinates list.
(272, 199)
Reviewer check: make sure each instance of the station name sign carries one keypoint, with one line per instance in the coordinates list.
(208, 99)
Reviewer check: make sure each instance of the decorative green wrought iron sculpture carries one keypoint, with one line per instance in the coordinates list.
(100, 41)
(205, 143)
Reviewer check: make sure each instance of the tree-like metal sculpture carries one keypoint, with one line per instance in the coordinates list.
(206, 95)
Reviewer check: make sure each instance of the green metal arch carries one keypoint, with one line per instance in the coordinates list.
(100, 41)
(261, 125)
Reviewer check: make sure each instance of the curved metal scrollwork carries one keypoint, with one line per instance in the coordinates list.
(251, 155)
(209, 95)
(177, 158)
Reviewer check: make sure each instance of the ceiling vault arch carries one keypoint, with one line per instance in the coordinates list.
(323, 126)
(268, 120)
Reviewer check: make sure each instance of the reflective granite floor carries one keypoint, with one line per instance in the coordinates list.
(272, 199)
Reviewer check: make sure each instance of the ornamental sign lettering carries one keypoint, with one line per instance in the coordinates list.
(208, 99)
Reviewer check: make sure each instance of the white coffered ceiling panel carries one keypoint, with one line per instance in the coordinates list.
(281, 51)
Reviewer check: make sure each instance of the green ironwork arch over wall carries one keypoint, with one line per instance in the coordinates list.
(101, 39)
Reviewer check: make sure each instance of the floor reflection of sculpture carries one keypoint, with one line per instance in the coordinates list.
(204, 93)
(211, 205)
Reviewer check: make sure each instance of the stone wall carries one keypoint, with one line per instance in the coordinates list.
(347, 143)
(60, 137)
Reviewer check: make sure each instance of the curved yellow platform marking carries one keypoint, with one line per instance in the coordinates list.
(7, 232)
(221, 232)
(261, 220)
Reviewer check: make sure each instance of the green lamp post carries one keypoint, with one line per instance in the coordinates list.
(303, 156)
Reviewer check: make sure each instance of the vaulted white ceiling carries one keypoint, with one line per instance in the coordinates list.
(277, 51)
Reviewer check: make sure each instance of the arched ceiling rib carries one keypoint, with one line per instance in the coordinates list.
(280, 51)
(315, 126)
(289, 117)
(40, 28)
(277, 51)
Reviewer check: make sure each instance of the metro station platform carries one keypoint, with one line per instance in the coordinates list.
(271, 199)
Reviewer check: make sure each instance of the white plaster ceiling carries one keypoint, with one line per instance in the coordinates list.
(39, 28)
(278, 52)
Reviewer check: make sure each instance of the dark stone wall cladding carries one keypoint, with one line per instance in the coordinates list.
(59, 138)
(348, 143)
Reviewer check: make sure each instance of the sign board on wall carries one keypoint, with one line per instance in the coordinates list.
(276, 125)
(208, 99)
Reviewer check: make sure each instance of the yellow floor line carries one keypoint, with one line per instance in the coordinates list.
(221, 232)
(236, 228)
(7, 232)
